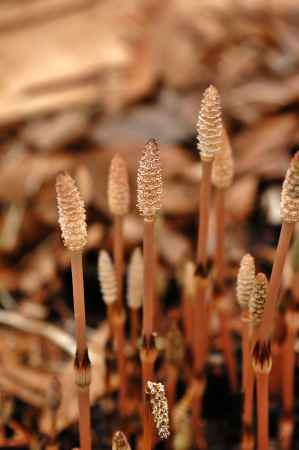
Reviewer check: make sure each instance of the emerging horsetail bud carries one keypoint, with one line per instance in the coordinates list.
(223, 167)
(159, 408)
(120, 442)
(71, 213)
(149, 181)
(135, 279)
(209, 125)
(258, 299)
(118, 186)
(289, 204)
(107, 279)
(245, 281)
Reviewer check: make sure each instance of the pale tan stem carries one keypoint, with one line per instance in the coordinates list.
(120, 345)
(262, 382)
(200, 329)
(187, 313)
(149, 271)
(220, 224)
(247, 375)
(288, 371)
(84, 418)
(228, 350)
(134, 329)
(79, 306)
(266, 326)
(118, 255)
(171, 384)
(248, 398)
(204, 210)
(148, 357)
(246, 359)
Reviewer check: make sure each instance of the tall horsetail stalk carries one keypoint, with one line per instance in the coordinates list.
(210, 141)
(245, 289)
(72, 221)
(149, 193)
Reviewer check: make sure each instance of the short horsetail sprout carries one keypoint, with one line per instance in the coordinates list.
(210, 142)
(222, 177)
(72, 221)
(245, 287)
(119, 201)
(120, 442)
(289, 207)
(107, 280)
(149, 192)
(159, 407)
(135, 291)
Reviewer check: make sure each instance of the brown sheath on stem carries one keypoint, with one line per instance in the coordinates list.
(220, 222)
(262, 383)
(118, 255)
(149, 262)
(84, 418)
(204, 208)
(79, 307)
(266, 326)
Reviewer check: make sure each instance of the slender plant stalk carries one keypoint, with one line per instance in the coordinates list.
(118, 255)
(79, 311)
(247, 376)
(134, 327)
(262, 383)
(288, 365)
(120, 344)
(220, 221)
(228, 349)
(280, 256)
(148, 358)
(187, 313)
(149, 271)
(84, 418)
(79, 308)
(204, 210)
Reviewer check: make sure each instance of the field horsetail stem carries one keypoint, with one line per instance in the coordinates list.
(72, 221)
